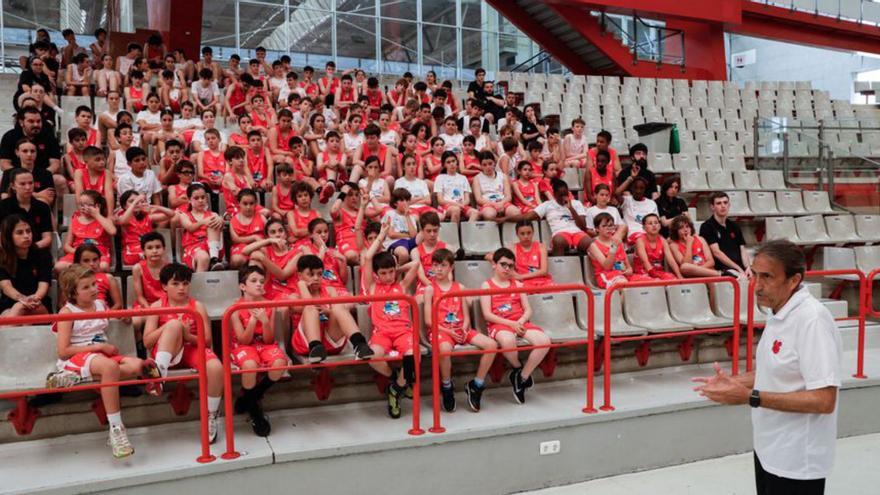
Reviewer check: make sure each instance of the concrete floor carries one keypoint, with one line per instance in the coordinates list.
(854, 473)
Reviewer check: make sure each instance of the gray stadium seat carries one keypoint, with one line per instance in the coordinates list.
(68, 203)
(724, 302)
(685, 161)
(746, 179)
(762, 203)
(122, 336)
(449, 235)
(771, 179)
(572, 177)
(565, 269)
(690, 304)
(646, 307)
(868, 227)
(472, 273)
(739, 204)
(842, 228)
(780, 228)
(817, 202)
(27, 355)
(555, 314)
(661, 163)
(619, 325)
(734, 162)
(216, 290)
(719, 179)
(811, 229)
(790, 202)
(694, 180)
(479, 238)
(837, 258)
(867, 258)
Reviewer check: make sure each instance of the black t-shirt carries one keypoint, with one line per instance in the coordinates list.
(644, 173)
(670, 209)
(47, 146)
(28, 78)
(42, 180)
(464, 123)
(477, 89)
(728, 237)
(39, 215)
(29, 272)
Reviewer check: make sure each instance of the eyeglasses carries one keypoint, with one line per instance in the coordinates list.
(185, 172)
(505, 264)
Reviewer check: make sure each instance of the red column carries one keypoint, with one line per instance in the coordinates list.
(180, 22)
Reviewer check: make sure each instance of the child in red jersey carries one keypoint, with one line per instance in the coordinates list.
(77, 142)
(136, 92)
(373, 147)
(246, 226)
(202, 231)
(254, 346)
(94, 177)
(210, 163)
(345, 213)
(235, 179)
(470, 160)
(275, 255)
(85, 120)
(109, 291)
(331, 165)
(299, 217)
(279, 138)
(303, 168)
(374, 189)
(335, 273)
(177, 198)
(392, 323)
(454, 325)
(433, 162)
(90, 224)
(652, 250)
(259, 162)
(282, 194)
(507, 319)
(691, 252)
(531, 257)
(319, 330)
(145, 277)
(136, 217)
(168, 164)
(172, 339)
(85, 354)
(603, 143)
(526, 188)
(608, 254)
(427, 243)
(240, 137)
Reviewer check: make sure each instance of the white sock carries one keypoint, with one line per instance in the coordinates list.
(214, 249)
(163, 361)
(213, 404)
(115, 419)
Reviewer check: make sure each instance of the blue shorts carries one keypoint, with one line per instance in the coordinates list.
(409, 244)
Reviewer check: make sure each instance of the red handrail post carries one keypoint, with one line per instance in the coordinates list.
(417, 359)
(229, 412)
(734, 355)
(590, 408)
(203, 390)
(606, 343)
(750, 326)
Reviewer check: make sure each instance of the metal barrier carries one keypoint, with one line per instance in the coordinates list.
(869, 294)
(231, 453)
(21, 409)
(864, 307)
(435, 346)
(608, 339)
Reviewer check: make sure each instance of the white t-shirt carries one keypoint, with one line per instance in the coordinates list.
(559, 217)
(453, 141)
(199, 137)
(148, 184)
(388, 138)
(398, 225)
(800, 349)
(452, 187)
(492, 188)
(418, 188)
(120, 164)
(595, 210)
(634, 211)
(205, 94)
(285, 92)
(190, 123)
(277, 83)
(148, 117)
(352, 143)
(376, 190)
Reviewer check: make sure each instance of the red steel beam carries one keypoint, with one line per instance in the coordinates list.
(714, 11)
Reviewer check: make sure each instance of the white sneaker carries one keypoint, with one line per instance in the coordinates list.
(62, 379)
(212, 427)
(119, 442)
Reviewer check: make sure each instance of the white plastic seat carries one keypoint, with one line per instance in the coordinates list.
(449, 235)
(780, 228)
(661, 163)
(555, 314)
(565, 269)
(646, 307)
(868, 227)
(216, 290)
(472, 273)
(733, 162)
(508, 233)
(841, 228)
(836, 258)
(619, 325)
(690, 304)
(27, 355)
(817, 202)
(811, 229)
(480, 238)
(739, 204)
(790, 202)
(763, 203)
(572, 177)
(719, 179)
(685, 161)
(746, 179)
(771, 179)
(710, 162)
(68, 204)
(867, 258)
(724, 303)
(694, 180)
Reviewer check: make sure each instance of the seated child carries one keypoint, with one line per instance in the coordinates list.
(245, 226)
(652, 250)
(566, 219)
(202, 238)
(401, 237)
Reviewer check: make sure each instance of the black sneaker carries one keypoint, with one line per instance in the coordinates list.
(448, 397)
(317, 354)
(242, 404)
(527, 383)
(363, 351)
(516, 381)
(216, 265)
(474, 395)
(259, 420)
(393, 397)
(408, 391)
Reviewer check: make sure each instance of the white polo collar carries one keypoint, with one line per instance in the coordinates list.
(794, 301)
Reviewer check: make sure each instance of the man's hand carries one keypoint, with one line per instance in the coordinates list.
(722, 388)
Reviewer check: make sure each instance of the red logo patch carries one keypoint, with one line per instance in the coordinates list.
(777, 344)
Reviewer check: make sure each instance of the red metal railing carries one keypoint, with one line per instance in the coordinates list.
(869, 294)
(231, 453)
(608, 339)
(435, 346)
(124, 313)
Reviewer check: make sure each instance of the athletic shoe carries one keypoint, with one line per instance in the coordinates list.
(448, 397)
(119, 442)
(242, 404)
(326, 193)
(528, 382)
(474, 395)
(216, 265)
(363, 351)
(259, 420)
(516, 381)
(408, 391)
(62, 379)
(213, 427)
(317, 354)
(393, 401)
(150, 370)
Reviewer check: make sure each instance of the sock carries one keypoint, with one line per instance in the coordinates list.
(213, 404)
(313, 344)
(409, 369)
(446, 384)
(163, 361)
(478, 382)
(357, 338)
(115, 419)
(214, 249)
(262, 386)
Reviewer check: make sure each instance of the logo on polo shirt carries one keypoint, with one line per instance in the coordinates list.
(777, 344)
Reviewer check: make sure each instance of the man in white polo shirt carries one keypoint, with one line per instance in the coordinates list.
(793, 390)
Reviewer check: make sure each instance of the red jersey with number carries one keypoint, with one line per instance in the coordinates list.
(392, 316)
(88, 233)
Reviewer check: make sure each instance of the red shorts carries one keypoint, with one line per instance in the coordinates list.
(132, 254)
(572, 238)
(188, 357)
(301, 344)
(79, 363)
(346, 244)
(105, 258)
(393, 342)
(189, 253)
(237, 249)
(494, 328)
(275, 292)
(465, 210)
(538, 281)
(608, 278)
(448, 338)
(504, 207)
(654, 274)
(262, 354)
